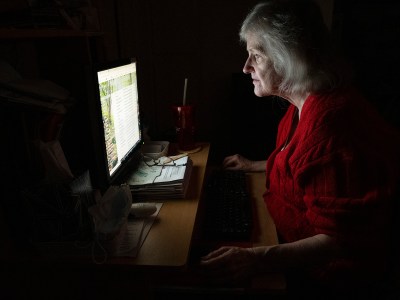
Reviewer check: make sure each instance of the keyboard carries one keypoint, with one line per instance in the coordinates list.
(228, 214)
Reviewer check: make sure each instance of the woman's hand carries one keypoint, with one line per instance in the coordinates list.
(238, 162)
(234, 264)
(230, 264)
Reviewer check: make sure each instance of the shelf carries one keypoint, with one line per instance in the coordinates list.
(45, 33)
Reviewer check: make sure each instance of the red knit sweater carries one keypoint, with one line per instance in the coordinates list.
(335, 177)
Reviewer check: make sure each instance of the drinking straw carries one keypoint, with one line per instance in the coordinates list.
(184, 92)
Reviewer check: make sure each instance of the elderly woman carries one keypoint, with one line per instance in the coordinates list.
(330, 179)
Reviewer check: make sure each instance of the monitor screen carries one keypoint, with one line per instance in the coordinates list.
(117, 132)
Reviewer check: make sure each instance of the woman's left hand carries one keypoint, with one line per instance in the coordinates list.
(229, 264)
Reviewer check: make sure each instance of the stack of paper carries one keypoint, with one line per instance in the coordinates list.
(164, 178)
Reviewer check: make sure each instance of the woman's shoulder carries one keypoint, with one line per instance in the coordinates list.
(345, 116)
(331, 120)
(334, 100)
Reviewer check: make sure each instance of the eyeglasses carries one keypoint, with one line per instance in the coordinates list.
(166, 161)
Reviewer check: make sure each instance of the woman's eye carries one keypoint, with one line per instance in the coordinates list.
(257, 58)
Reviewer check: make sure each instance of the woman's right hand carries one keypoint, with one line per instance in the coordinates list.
(238, 162)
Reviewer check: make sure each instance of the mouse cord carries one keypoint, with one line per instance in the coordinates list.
(95, 243)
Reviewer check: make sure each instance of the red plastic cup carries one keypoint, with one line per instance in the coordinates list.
(183, 116)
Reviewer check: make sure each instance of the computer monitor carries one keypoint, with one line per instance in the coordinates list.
(115, 117)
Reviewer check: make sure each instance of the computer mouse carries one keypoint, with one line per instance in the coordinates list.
(143, 209)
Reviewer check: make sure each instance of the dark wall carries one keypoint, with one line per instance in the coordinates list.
(179, 39)
(369, 33)
(254, 121)
(197, 40)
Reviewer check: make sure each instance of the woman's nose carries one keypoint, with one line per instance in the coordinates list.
(247, 68)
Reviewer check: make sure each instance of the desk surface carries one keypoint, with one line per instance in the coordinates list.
(172, 238)
(168, 242)
(266, 234)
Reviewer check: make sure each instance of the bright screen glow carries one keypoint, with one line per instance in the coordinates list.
(120, 113)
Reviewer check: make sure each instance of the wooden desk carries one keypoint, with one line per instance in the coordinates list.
(163, 260)
(165, 255)
(266, 235)
(168, 242)
(188, 281)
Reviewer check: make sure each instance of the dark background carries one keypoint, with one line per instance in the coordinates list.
(178, 39)
(172, 40)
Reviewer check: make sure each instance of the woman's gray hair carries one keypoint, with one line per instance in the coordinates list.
(293, 35)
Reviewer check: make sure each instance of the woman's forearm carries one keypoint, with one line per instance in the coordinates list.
(258, 166)
(303, 253)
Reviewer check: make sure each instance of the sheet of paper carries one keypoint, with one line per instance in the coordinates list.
(172, 173)
(136, 233)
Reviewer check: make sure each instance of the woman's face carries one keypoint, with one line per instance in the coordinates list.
(260, 67)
